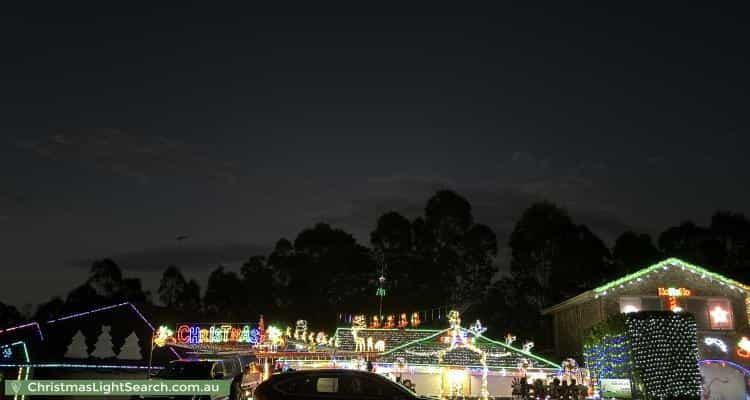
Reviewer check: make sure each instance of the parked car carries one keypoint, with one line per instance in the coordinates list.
(200, 368)
(330, 384)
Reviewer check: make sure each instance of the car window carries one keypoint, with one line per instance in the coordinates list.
(232, 366)
(369, 387)
(218, 368)
(299, 385)
(327, 384)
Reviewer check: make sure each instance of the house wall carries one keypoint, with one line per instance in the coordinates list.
(572, 322)
(428, 383)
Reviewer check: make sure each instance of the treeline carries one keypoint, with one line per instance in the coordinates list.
(443, 257)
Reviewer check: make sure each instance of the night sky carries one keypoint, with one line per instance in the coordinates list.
(123, 127)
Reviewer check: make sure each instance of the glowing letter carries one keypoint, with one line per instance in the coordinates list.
(183, 334)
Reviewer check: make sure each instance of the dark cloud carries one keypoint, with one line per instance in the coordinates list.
(132, 154)
(498, 201)
(187, 257)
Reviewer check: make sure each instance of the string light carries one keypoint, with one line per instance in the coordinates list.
(657, 351)
(664, 266)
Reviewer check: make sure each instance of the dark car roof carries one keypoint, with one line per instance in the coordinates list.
(196, 360)
(275, 378)
(326, 370)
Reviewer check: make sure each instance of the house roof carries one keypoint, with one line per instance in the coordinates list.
(420, 347)
(391, 337)
(644, 273)
(424, 351)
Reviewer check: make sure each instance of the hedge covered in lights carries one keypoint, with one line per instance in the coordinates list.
(656, 350)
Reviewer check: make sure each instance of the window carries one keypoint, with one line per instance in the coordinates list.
(630, 304)
(652, 303)
(720, 314)
(327, 385)
(699, 309)
(302, 385)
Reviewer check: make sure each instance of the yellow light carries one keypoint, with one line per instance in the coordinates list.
(163, 336)
(274, 335)
(456, 376)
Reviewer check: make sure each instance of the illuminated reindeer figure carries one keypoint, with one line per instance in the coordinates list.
(358, 324)
(528, 346)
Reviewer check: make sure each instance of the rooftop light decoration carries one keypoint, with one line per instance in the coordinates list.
(664, 266)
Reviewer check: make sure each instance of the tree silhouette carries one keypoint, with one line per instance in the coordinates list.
(552, 258)
(105, 278)
(258, 279)
(223, 292)
(692, 243)
(732, 231)
(172, 287)
(9, 315)
(633, 251)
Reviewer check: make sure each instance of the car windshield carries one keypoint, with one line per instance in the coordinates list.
(187, 370)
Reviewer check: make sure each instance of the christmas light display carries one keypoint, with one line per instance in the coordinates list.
(217, 334)
(720, 314)
(712, 341)
(671, 295)
(743, 347)
(93, 311)
(74, 365)
(415, 320)
(275, 336)
(403, 322)
(300, 330)
(657, 351)
(665, 354)
(674, 292)
(163, 336)
(14, 351)
(26, 325)
(664, 266)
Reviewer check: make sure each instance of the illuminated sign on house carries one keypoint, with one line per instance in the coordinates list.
(674, 292)
(671, 294)
(221, 333)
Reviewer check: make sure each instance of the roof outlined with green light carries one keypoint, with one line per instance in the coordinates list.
(640, 275)
(672, 262)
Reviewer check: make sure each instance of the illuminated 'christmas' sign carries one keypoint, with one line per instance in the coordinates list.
(224, 333)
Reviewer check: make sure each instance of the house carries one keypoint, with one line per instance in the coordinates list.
(455, 361)
(105, 342)
(720, 306)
